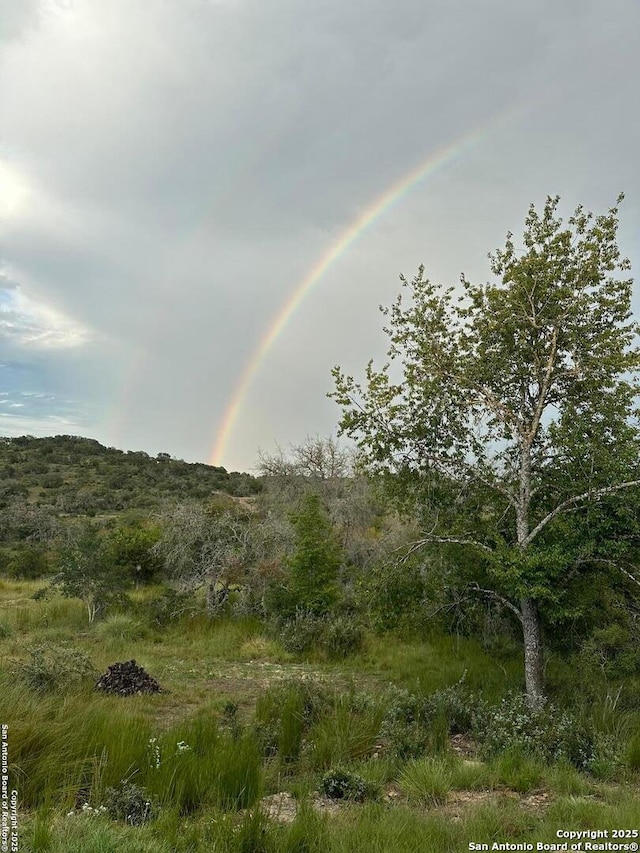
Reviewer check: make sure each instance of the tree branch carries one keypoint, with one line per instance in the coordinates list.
(431, 539)
(585, 496)
(498, 597)
(544, 389)
(613, 565)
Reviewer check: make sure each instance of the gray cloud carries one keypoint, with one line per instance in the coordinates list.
(173, 170)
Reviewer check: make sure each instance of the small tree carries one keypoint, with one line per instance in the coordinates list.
(513, 406)
(86, 572)
(311, 582)
(206, 547)
(130, 547)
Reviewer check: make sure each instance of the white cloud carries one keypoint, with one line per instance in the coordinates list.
(32, 324)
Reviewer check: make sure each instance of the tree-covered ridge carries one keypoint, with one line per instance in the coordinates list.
(74, 475)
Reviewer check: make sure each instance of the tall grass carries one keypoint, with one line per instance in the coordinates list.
(344, 735)
(119, 627)
(440, 661)
(195, 764)
(426, 781)
(63, 747)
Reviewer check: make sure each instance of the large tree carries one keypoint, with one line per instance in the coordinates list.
(512, 404)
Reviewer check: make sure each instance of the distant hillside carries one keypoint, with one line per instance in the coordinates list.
(72, 475)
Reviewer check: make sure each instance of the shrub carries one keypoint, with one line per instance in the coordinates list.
(338, 637)
(129, 803)
(169, 607)
(54, 667)
(546, 732)
(342, 636)
(302, 632)
(341, 784)
(405, 725)
(414, 724)
(28, 562)
(457, 705)
(312, 570)
(394, 595)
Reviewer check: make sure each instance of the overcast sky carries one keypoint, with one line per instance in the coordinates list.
(173, 171)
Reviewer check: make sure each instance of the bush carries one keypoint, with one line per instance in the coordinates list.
(312, 570)
(55, 667)
(342, 637)
(337, 637)
(341, 784)
(405, 727)
(28, 562)
(414, 725)
(301, 633)
(129, 803)
(457, 705)
(547, 732)
(169, 607)
(394, 595)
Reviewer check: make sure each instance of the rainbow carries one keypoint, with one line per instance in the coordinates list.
(427, 167)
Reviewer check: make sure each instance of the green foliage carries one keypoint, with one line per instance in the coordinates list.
(342, 636)
(79, 476)
(547, 732)
(340, 784)
(612, 650)
(285, 712)
(170, 606)
(307, 834)
(27, 560)
(346, 734)
(55, 668)
(130, 548)
(301, 633)
(415, 724)
(394, 594)
(507, 416)
(632, 753)
(426, 781)
(86, 571)
(519, 769)
(313, 567)
(129, 803)
(119, 626)
(338, 637)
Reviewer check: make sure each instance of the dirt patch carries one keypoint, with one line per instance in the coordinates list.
(283, 807)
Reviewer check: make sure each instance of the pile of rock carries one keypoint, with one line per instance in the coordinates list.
(127, 679)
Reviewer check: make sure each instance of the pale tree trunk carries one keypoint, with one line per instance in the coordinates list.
(533, 652)
(530, 614)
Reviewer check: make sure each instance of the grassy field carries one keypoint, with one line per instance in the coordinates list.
(240, 721)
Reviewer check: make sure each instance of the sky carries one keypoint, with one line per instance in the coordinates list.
(204, 202)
